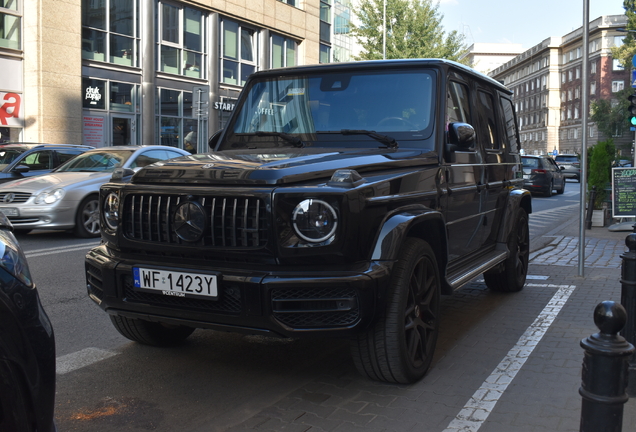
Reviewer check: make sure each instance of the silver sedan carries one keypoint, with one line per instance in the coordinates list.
(68, 198)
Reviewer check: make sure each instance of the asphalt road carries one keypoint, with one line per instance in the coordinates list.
(216, 380)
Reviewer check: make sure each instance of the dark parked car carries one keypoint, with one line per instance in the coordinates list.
(541, 174)
(340, 201)
(27, 345)
(570, 166)
(21, 160)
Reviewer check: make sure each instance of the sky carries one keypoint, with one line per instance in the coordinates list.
(513, 21)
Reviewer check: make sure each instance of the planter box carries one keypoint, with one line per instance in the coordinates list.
(598, 218)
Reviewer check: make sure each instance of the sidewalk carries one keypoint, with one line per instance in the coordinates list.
(479, 329)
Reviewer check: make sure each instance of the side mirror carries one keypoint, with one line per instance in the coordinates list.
(122, 175)
(21, 169)
(461, 136)
(561, 167)
(214, 139)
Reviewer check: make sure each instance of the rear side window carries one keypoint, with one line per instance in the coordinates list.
(487, 131)
(510, 126)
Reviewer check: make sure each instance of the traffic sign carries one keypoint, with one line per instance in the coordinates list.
(555, 152)
(634, 78)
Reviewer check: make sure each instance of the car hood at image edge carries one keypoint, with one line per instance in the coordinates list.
(56, 180)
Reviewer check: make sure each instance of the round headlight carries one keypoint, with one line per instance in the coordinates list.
(314, 220)
(111, 210)
(49, 197)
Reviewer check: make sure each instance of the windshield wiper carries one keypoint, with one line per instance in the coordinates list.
(388, 141)
(296, 142)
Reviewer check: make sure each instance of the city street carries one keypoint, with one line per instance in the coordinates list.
(220, 381)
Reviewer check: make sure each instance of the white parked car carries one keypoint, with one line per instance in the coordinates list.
(68, 197)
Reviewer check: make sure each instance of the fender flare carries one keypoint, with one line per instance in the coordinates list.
(424, 223)
(517, 198)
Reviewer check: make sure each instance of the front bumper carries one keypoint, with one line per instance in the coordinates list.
(57, 216)
(285, 303)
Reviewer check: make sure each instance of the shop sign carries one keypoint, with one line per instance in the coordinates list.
(223, 106)
(10, 114)
(94, 93)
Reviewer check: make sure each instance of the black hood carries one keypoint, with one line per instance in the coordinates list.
(278, 166)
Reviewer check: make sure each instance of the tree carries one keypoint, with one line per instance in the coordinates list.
(413, 30)
(611, 116)
(625, 52)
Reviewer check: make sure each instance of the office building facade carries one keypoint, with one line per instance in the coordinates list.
(547, 85)
(110, 72)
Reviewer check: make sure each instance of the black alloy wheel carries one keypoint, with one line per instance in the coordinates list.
(400, 346)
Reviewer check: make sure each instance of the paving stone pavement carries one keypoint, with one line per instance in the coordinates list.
(478, 328)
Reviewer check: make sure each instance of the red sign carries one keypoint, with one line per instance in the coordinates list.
(10, 114)
(93, 131)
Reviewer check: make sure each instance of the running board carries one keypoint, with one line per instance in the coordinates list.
(490, 261)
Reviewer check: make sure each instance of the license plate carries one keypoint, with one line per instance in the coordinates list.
(10, 211)
(526, 176)
(174, 283)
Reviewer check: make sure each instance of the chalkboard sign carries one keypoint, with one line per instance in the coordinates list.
(623, 192)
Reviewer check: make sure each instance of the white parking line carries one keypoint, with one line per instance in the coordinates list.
(482, 403)
(56, 250)
(80, 359)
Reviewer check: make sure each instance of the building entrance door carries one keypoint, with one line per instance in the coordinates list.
(123, 130)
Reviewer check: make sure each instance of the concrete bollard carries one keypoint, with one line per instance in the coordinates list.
(604, 377)
(628, 300)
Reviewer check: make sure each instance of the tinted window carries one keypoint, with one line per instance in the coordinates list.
(530, 162)
(567, 159)
(510, 137)
(487, 131)
(457, 104)
(39, 160)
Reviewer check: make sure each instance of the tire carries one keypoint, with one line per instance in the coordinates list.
(87, 218)
(548, 193)
(560, 191)
(15, 408)
(150, 333)
(515, 269)
(399, 347)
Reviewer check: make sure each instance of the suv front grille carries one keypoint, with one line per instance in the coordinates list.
(231, 222)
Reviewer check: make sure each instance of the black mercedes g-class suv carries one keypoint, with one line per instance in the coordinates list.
(339, 200)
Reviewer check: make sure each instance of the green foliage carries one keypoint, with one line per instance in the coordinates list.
(625, 52)
(601, 156)
(611, 117)
(413, 30)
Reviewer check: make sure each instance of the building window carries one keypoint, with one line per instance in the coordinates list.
(110, 32)
(238, 52)
(570, 75)
(617, 86)
(289, 2)
(10, 25)
(181, 40)
(578, 73)
(563, 77)
(283, 52)
(616, 65)
(576, 112)
(325, 53)
(593, 67)
(593, 87)
(570, 94)
(175, 118)
(325, 21)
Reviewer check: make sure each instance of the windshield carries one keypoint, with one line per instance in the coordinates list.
(317, 108)
(9, 155)
(570, 159)
(99, 161)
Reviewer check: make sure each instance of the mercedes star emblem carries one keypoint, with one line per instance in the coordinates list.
(189, 221)
(8, 198)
